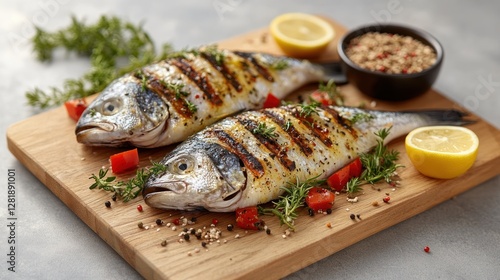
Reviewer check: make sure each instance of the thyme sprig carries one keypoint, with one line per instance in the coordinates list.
(379, 164)
(287, 205)
(266, 131)
(126, 190)
(114, 47)
(333, 92)
(213, 51)
(308, 109)
(279, 64)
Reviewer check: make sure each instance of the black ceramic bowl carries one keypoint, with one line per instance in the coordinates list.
(390, 86)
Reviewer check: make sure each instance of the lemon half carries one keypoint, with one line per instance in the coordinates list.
(301, 35)
(442, 152)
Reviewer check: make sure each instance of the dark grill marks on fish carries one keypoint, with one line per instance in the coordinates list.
(295, 136)
(158, 86)
(334, 115)
(222, 68)
(252, 163)
(317, 130)
(271, 144)
(200, 80)
(261, 69)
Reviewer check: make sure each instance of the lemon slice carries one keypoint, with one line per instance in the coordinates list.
(301, 35)
(442, 152)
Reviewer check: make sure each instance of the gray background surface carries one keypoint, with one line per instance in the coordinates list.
(463, 233)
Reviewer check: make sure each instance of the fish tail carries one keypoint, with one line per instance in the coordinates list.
(443, 117)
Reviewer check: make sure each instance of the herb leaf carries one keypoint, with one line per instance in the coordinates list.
(126, 190)
(104, 43)
(265, 131)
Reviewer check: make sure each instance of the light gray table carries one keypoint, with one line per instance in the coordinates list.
(463, 233)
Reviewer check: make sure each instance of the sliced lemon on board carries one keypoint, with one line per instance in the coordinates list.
(301, 35)
(442, 152)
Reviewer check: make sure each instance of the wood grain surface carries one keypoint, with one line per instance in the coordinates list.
(46, 145)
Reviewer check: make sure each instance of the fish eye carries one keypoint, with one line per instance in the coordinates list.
(111, 107)
(182, 165)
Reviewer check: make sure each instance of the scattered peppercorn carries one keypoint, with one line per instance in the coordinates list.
(329, 211)
(230, 227)
(329, 225)
(215, 221)
(108, 204)
(139, 208)
(186, 237)
(140, 225)
(352, 216)
(358, 216)
(375, 203)
(185, 229)
(268, 231)
(193, 231)
(427, 249)
(198, 235)
(311, 212)
(159, 222)
(204, 244)
(176, 221)
(386, 199)
(114, 197)
(164, 243)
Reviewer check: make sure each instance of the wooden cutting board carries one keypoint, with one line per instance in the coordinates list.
(46, 145)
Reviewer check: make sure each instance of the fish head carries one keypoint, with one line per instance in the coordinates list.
(197, 175)
(125, 113)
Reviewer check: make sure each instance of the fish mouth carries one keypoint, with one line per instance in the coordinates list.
(167, 197)
(157, 188)
(99, 135)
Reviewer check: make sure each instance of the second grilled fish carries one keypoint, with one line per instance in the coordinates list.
(164, 103)
(244, 160)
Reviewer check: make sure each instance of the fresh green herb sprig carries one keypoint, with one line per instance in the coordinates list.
(126, 190)
(279, 64)
(379, 164)
(266, 131)
(308, 109)
(333, 92)
(213, 51)
(287, 205)
(361, 117)
(115, 47)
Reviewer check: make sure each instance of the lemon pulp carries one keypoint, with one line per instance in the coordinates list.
(442, 152)
(301, 35)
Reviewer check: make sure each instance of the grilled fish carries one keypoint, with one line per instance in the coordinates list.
(164, 103)
(244, 160)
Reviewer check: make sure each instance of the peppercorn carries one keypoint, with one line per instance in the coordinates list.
(193, 231)
(114, 197)
(139, 208)
(427, 249)
(386, 199)
(230, 227)
(140, 225)
(311, 212)
(177, 221)
(215, 221)
(159, 222)
(186, 237)
(164, 243)
(185, 229)
(268, 231)
(108, 204)
(358, 216)
(194, 219)
(198, 235)
(329, 211)
(352, 216)
(203, 244)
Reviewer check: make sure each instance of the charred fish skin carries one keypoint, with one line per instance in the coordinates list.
(179, 96)
(268, 149)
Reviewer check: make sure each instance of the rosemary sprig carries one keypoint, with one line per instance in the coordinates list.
(285, 208)
(126, 190)
(379, 164)
(105, 43)
(213, 51)
(361, 117)
(279, 64)
(266, 131)
(176, 88)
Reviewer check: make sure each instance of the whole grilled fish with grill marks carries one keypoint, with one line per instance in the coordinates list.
(165, 102)
(244, 160)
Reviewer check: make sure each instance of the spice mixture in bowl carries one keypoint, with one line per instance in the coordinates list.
(391, 62)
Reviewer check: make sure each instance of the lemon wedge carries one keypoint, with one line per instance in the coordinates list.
(301, 35)
(442, 152)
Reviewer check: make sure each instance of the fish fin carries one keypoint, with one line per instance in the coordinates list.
(445, 117)
(333, 71)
